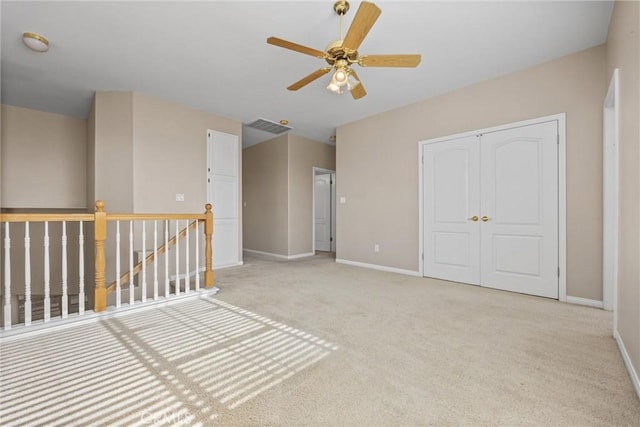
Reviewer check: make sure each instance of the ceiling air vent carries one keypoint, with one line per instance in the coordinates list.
(269, 126)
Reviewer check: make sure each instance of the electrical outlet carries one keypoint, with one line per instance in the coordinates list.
(179, 197)
(376, 248)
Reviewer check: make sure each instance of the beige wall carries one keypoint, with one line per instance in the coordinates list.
(91, 156)
(623, 52)
(304, 154)
(113, 150)
(377, 162)
(265, 183)
(1, 156)
(169, 154)
(43, 159)
(145, 150)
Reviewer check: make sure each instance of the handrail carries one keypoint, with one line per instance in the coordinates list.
(42, 217)
(150, 217)
(124, 279)
(99, 220)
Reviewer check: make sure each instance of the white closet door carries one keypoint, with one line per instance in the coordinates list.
(519, 197)
(222, 185)
(451, 200)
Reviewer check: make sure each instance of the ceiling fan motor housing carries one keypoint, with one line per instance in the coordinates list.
(336, 52)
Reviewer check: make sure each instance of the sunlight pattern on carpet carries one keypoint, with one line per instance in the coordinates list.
(184, 364)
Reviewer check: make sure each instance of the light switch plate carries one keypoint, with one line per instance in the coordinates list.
(343, 200)
(179, 197)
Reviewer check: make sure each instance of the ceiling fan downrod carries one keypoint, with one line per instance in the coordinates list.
(341, 7)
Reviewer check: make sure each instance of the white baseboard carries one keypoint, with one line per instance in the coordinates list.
(627, 362)
(183, 276)
(279, 256)
(192, 273)
(235, 264)
(308, 254)
(252, 251)
(379, 267)
(585, 301)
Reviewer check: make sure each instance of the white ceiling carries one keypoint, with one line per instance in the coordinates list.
(213, 55)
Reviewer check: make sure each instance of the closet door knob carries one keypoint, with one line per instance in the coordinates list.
(485, 218)
(474, 218)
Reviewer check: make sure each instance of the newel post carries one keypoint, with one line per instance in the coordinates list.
(208, 252)
(100, 224)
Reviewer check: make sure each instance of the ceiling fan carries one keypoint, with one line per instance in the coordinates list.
(343, 53)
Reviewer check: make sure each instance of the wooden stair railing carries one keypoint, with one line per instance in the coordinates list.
(101, 218)
(124, 278)
(28, 305)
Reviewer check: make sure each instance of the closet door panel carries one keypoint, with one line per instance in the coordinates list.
(451, 192)
(519, 209)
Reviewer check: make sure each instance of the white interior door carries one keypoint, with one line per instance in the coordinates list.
(333, 212)
(451, 201)
(519, 201)
(322, 194)
(222, 189)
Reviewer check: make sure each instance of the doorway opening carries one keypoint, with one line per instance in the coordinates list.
(323, 212)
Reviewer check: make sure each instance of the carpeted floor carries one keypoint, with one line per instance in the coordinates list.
(312, 342)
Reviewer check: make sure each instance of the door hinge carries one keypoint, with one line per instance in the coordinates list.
(423, 256)
(558, 139)
(208, 180)
(558, 271)
(330, 182)
(331, 239)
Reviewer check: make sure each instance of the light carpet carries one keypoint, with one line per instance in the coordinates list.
(312, 342)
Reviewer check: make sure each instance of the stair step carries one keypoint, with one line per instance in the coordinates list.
(55, 304)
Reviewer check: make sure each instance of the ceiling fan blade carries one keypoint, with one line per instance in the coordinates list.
(294, 46)
(308, 79)
(389, 60)
(366, 16)
(358, 91)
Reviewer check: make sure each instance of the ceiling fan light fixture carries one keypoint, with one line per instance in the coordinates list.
(35, 41)
(340, 76)
(352, 82)
(335, 88)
